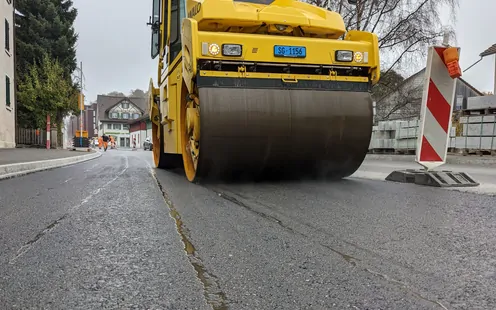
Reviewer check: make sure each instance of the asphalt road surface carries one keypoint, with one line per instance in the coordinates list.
(113, 233)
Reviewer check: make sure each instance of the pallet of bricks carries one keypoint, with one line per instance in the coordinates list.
(476, 132)
(396, 136)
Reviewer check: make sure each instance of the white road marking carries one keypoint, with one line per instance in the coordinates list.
(26, 247)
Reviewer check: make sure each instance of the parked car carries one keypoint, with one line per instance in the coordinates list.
(148, 144)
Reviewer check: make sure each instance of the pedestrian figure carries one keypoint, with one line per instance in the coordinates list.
(100, 143)
(112, 142)
(105, 139)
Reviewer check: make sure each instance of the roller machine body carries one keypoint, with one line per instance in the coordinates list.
(256, 86)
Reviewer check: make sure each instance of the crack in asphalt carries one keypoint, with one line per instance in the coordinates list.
(322, 231)
(212, 292)
(405, 287)
(348, 258)
(25, 248)
(29, 244)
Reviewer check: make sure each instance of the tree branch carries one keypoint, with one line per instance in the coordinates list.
(369, 17)
(403, 20)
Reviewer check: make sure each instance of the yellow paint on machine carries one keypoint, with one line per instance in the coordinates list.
(187, 33)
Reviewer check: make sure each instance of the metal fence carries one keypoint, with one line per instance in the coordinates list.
(35, 137)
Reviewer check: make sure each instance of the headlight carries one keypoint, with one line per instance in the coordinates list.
(281, 27)
(213, 49)
(231, 49)
(358, 57)
(344, 56)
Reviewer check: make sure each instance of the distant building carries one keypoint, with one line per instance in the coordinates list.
(89, 122)
(405, 101)
(7, 89)
(140, 129)
(114, 113)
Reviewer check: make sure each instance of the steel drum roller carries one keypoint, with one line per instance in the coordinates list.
(290, 132)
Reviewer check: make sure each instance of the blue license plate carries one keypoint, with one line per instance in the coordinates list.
(290, 51)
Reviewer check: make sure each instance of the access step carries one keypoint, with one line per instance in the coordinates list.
(432, 178)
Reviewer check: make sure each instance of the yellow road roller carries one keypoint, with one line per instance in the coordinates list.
(259, 87)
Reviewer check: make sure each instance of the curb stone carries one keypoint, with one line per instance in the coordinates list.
(18, 169)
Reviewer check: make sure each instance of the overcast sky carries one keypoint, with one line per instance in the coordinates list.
(114, 44)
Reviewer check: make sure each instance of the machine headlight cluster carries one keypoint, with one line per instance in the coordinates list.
(232, 49)
(213, 49)
(344, 56)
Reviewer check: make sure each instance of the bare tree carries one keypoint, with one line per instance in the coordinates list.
(405, 28)
(404, 102)
(389, 82)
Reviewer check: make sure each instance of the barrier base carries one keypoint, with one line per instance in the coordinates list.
(432, 178)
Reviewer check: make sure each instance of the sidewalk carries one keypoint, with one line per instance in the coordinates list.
(482, 169)
(456, 159)
(20, 161)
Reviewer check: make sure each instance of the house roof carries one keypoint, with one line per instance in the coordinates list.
(422, 72)
(405, 81)
(145, 117)
(471, 87)
(105, 103)
(490, 51)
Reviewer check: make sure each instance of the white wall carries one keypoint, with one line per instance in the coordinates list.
(7, 113)
(140, 138)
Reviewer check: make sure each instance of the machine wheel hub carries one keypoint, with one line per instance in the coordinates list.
(193, 131)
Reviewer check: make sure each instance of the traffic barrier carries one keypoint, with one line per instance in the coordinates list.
(435, 123)
(436, 110)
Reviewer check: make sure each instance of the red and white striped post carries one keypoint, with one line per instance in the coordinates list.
(48, 132)
(436, 111)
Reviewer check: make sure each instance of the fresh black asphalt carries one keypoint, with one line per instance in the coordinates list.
(113, 233)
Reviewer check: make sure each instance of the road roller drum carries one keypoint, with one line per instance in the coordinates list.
(284, 132)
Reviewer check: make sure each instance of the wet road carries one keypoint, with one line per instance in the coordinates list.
(74, 238)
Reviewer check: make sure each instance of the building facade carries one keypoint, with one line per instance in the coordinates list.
(113, 115)
(7, 71)
(140, 129)
(405, 101)
(89, 122)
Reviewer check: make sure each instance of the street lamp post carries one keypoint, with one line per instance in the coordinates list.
(79, 78)
(81, 108)
(488, 52)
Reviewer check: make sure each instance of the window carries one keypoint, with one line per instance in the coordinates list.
(125, 115)
(177, 15)
(7, 35)
(125, 127)
(7, 91)
(155, 28)
(114, 115)
(125, 105)
(136, 115)
(109, 126)
(117, 126)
